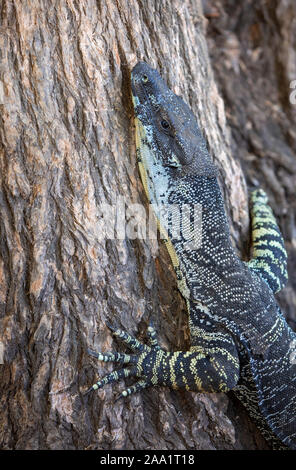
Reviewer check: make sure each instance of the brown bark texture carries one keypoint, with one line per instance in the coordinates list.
(67, 152)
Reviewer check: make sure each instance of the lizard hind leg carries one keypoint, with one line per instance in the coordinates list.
(269, 253)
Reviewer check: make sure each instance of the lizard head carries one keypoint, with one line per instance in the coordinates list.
(170, 146)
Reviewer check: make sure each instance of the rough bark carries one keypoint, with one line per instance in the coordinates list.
(252, 50)
(252, 47)
(67, 148)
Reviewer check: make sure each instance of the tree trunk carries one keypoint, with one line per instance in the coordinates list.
(67, 157)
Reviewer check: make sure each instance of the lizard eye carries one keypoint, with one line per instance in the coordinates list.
(145, 78)
(165, 124)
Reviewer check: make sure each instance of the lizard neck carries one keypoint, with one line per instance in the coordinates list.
(206, 269)
(203, 267)
(214, 245)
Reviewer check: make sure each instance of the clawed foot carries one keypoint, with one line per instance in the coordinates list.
(146, 363)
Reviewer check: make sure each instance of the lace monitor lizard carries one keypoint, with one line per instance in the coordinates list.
(239, 338)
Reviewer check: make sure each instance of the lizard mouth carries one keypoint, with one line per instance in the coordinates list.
(146, 85)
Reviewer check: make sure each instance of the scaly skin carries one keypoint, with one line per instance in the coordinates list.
(240, 341)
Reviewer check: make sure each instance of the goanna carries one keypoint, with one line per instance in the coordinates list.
(239, 338)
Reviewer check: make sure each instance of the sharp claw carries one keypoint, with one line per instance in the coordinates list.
(92, 353)
(99, 356)
(124, 394)
(111, 327)
(88, 391)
